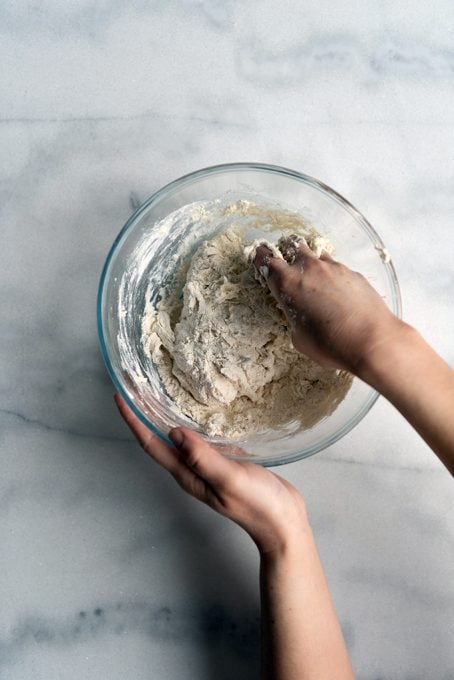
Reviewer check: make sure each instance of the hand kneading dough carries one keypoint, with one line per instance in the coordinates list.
(224, 351)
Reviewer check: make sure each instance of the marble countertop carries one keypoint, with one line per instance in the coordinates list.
(107, 569)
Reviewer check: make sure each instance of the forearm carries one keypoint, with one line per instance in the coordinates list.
(301, 636)
(420, 385)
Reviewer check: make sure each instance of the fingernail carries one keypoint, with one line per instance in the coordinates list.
(264, 271)
(176, 437)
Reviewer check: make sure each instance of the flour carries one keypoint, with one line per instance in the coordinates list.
(222, 345)
(384, 254)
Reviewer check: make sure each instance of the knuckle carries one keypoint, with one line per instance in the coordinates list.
(195, 487)
(146, 440)
(229, 507)
(318, 264)
(232, 487)
(276, 269)
(192, 484)
(192, 457)
(310, 260)
(284, 280)
(178, 477)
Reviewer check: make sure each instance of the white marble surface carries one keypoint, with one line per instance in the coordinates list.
(107, 570)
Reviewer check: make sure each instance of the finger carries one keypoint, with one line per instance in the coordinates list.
(301, 252)
(294, 248)
(263, 255)
(273, 269)
(202, 458)
(161, 452)
(326, 257)
(266, 261)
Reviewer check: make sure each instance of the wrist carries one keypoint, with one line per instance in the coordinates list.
(286, 542)
(380, 359)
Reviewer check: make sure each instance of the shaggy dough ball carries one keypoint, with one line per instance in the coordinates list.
(224, 350)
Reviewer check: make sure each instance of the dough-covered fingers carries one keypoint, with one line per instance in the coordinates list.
(274, 270)
(268, 264)
(295, 249)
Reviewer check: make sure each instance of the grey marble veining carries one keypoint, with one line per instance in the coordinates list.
(106, 569)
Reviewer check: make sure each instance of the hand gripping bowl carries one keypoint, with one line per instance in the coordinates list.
(123, 278)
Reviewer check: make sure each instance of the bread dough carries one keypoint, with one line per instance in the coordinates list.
(223, 349)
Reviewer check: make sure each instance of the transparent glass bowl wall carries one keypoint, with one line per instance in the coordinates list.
(356, 244)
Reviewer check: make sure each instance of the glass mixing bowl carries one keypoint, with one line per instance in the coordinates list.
(356, 244)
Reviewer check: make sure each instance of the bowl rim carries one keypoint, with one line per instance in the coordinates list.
(224, 168)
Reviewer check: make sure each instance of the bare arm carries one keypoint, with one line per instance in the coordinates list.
(338, 319)
(302, 639)
(420, 385)
(301, 636)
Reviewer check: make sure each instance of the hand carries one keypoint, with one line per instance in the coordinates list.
(335, 315)
(269, 508)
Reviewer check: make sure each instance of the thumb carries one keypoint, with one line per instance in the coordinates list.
(274, 270)
(202, 458)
